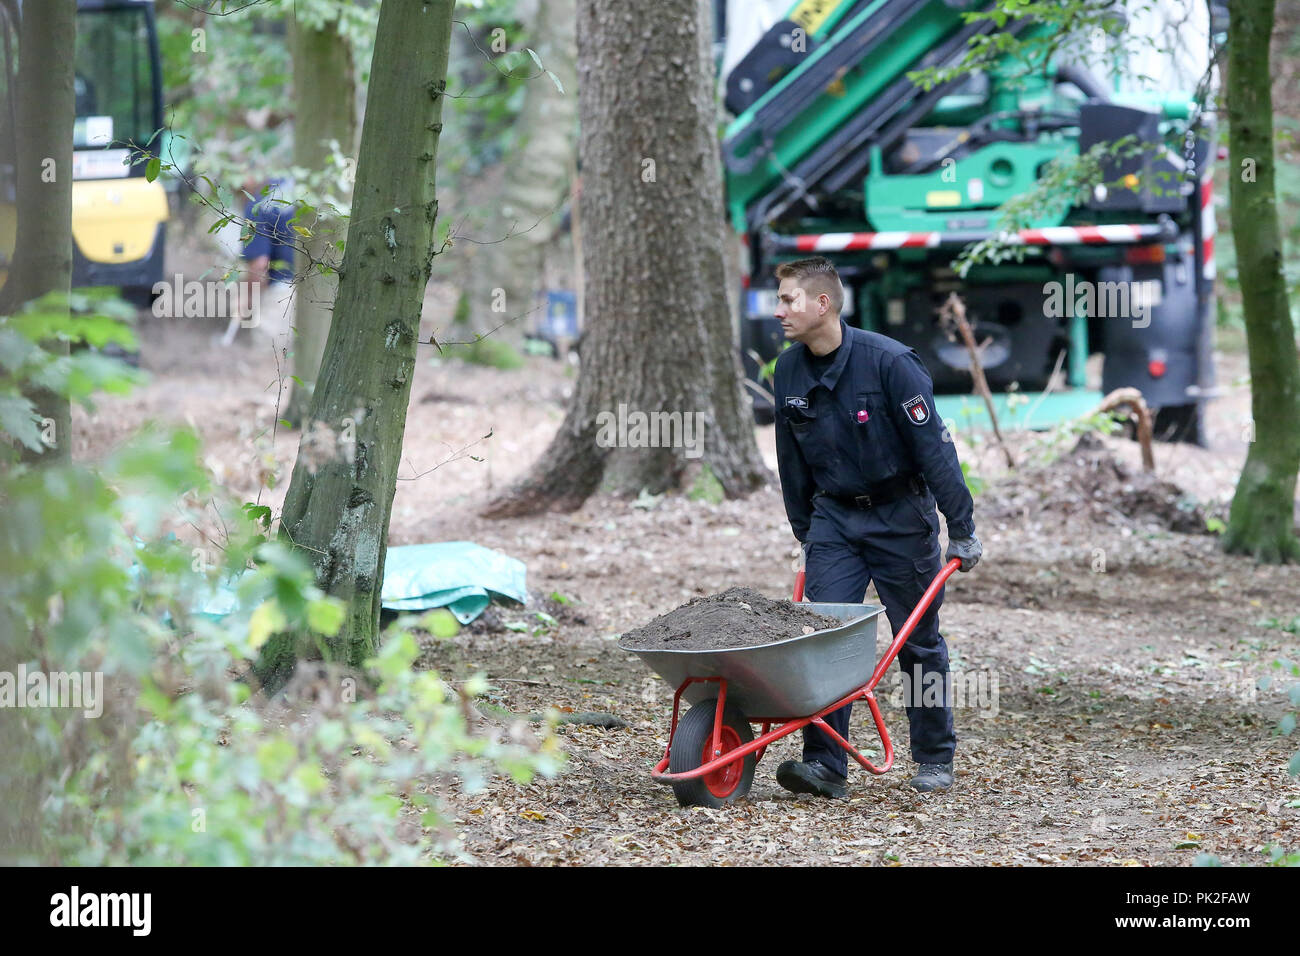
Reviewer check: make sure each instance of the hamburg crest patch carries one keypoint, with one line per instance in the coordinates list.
(917, 411)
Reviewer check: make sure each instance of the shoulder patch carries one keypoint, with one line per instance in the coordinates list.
(918, 413)
(797, 401)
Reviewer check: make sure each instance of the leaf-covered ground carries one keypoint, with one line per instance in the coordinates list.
(1126, 729)
(1126, 726)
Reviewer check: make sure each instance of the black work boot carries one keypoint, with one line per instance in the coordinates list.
(812, 777)
(932, 776)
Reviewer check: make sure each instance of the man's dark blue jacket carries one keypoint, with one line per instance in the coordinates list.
(867, 419)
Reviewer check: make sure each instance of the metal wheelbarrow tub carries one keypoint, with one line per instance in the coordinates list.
(789, 678)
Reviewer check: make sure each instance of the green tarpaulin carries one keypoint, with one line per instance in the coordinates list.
(459, 575)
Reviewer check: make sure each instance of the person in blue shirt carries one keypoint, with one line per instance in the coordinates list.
(269, 259)
(863, 460)
(269, 253)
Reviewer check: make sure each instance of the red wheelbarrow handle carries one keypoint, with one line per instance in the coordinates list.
(913, 619)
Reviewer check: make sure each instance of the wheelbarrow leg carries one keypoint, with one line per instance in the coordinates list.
(677, 705)
(886, 743)
(758, 755)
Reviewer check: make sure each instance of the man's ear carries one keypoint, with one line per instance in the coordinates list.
(823, 303)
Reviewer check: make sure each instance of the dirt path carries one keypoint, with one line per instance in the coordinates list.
(1112, 715)
(1125, 721)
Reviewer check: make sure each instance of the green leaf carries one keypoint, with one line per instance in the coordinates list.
(274, 756)
(1287, 724)
(556, 80)
(154, 700)
(18, 419)
(441, 623)
(152, 169)
(15, 349)
(259, 514)
(309, 778)
(266, 620)
(325, 615)
(396, 655)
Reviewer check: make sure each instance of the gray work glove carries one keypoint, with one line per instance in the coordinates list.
(968, 549)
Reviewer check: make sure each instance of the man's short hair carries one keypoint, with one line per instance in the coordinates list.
(816, 275)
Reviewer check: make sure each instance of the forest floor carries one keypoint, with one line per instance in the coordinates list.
(1112, 715)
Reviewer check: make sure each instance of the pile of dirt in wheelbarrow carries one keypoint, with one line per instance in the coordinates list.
(1088, 483)
(736, 617)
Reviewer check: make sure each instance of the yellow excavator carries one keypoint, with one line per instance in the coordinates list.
(118, 217)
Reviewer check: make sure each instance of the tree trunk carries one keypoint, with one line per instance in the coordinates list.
(1263, 509)
(659, 336)
(324, 89)
(506, 277)
(338, 510)
(46, 107)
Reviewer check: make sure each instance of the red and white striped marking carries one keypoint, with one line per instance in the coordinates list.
(854, 241)
(1087, 235)
(1051, 236)
(1209, 226)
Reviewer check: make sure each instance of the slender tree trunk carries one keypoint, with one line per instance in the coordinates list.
(338, 511)
(659, 335)
(324, 89)
(46, 108)
(505, 277)
(1262, 521)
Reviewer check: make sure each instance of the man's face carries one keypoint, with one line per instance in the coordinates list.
(802, 310)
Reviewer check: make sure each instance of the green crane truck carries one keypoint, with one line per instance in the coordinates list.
(835, 151)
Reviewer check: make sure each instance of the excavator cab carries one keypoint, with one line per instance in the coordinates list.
(118, 216)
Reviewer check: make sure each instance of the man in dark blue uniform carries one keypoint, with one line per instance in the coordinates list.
(863, 459)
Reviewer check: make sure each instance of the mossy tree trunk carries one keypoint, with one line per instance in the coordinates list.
(658, 337)
(1262, 520)
(46, 109)
(324, 89)
(338, 511)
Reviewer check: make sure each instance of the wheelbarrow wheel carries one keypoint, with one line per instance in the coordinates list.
(692, 747)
